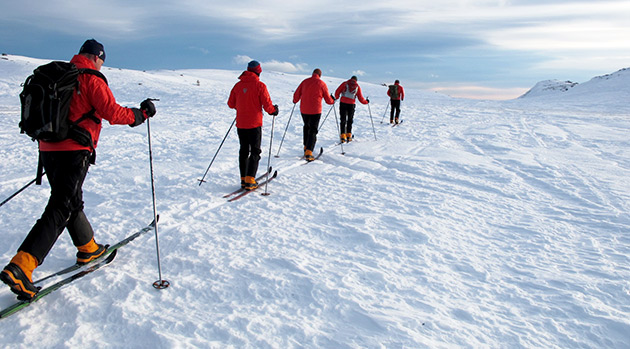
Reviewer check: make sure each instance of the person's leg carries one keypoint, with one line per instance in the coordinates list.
(396, 107)
(243, 153)
(305, 130)
(254, 139)
(392, 111)
(343, 114)
(350, 121)
(66, 172)
(311, 126)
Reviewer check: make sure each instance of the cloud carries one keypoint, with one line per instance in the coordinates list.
(240, 59)
(467, 41)
(204, 51)
(285, 67)
(273, 65)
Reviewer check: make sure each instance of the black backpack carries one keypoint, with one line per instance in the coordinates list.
(46, 100)
(393, 91)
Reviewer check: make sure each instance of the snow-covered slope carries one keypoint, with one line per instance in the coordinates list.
(614, 84)
(549, 87)
(472, 224)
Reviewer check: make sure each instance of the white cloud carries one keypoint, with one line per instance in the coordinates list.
(359, 73)
(241, 59)
(204, 51)
(285, 67)
(273, 65)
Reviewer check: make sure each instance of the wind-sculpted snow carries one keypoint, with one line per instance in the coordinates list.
(472, 224)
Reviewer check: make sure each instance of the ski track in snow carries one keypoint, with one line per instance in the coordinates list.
(473, 224)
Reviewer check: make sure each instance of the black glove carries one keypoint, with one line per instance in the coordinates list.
(148, 107)
(368, 100)
(333, 97)
(138, 117)
(275, 112)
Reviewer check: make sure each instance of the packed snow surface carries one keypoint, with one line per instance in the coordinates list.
(498, 224)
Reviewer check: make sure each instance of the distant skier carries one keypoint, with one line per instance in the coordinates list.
(249, 97)
(311, 92)
(396, 94)
(349, 91)
(66, 164)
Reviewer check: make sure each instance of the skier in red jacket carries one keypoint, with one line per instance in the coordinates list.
(249, 97)
(396, 94)
(349, 91)
(311, 92)
(66, 164)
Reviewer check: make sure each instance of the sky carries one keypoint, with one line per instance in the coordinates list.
(463, 48)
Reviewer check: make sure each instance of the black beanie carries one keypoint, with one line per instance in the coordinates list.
(94, 47)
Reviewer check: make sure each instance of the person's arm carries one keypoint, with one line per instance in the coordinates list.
(360, 96)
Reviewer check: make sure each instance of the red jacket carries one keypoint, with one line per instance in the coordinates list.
(311, 91)
(353, 85)
(249, 96)
(94, 93)
(401, 92)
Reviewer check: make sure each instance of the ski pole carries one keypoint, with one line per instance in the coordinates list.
(372, 120)
(160, 283)
(19, 191)
(215, 154)
(329, 110)
(339, 132)
(273, 121)
(387, 107)
(285, 131)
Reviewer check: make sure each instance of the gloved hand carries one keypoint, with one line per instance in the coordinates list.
(148, 107)
(368, 100)
(333, 97)
(275, 112)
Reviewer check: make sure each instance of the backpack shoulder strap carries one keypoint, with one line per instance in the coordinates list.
(93, 72)
(90, 114)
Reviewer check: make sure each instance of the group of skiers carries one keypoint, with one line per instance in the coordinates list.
(250, 96)
(66, 162)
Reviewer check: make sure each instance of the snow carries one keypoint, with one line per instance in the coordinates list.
(473, 224)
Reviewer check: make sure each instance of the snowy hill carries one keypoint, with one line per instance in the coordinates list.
(615, 84)
(549, 87)
(472, 224)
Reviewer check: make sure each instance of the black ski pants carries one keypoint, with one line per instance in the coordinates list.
(66, 171)
(249, 154)
(311, 126)
(346, 114)
(395, 108)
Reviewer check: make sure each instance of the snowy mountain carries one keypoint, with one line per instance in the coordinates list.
(615, 83)
(549, 87)
(473, 224)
